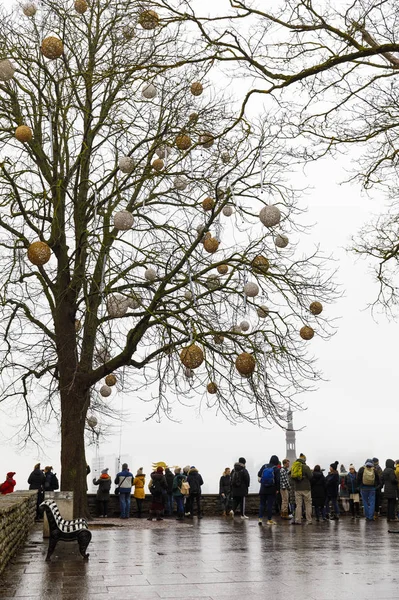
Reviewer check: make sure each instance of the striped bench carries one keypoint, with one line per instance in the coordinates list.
(64, 530)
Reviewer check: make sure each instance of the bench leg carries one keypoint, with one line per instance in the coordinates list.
(84, 538)
(53, 541)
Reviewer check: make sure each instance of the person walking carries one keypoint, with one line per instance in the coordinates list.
(240, 482)
(169, 476)
(225, 490)
(368, 481)
(352, 486)
(390, 484)
(195, 482)
(158, 489)
(332, 486)
(36, 482)
(178, 480)
(302, 476)
(318, 492)
(124, 482)
(104, 486)
(269, 479)
(9, 484)
(378, 495)
(285, 488)
(139, 492)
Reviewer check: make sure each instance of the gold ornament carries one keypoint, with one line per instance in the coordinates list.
(158, 164)
(52, 47)
(196, 88)
(316, 308)
(222, 269)
(260, 265)
(208, 203)
(110, 380)
(306, 332)
(183, 141)
(23, 133)
(206, 140)
(39, 253)
(81, 6)
(193, 118)
(192, 357)
(149, 19)
(211, 245)
(212, 388)
(245, 364)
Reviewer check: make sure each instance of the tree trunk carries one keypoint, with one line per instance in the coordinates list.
(74, 406)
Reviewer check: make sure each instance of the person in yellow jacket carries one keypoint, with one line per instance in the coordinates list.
(139, 493)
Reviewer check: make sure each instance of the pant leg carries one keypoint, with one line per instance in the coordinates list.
(307, 494)
(284, 501)
(298, 509)
(271, 499)
(368, 513)
(180, 506)
(357, 508)
(105, 508)
(335, 506)
(262, 504)
(391, 508)
(199, 505)
(122, 504)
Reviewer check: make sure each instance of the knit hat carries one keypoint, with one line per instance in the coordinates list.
(11, 474)
(159, 469)
(334, 465)
(139, 471)
(104, 472)
(369, 462)
(351, 466)
(242, 460)
(302, 456)
(125, 467)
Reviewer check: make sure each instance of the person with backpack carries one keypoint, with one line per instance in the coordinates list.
(240, 482)
(104, 486)
(139, 493)
(225, 490)
(368, 481)
(318, 491)
(269, 479)
(158, 489)
(352, 486)
(8, 486)
(195, 482)
(50, 480)
(124, 482)
(390, 484)
(332, 486)
(179, 493)
(169, 476)
(302, 476)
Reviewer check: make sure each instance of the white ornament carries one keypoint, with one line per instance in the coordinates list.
(180, 183)
(150, 275)
(270, 215)
(251, 289)
(117, 305)
(188, 295)
(29, 9)
(133, 301)
(123, 220)
(244, 325)
(105, 391)
(228, 211)
(126, 164)
(128, 32)
(6, 70)
(149, 91)
(92, 421)
(213, 282)
(281, 241)
(262, 311)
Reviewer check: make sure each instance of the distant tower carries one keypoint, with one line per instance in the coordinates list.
(290, 450)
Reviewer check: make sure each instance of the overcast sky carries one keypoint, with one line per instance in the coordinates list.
(351, 417)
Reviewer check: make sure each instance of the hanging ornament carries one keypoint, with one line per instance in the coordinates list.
(306, 332)
(105, 391)
(117, 305)
(281, 241)
(244, 326)
(270, 215)
(183, 141)
(245, 364)
(158, 164)
(316, 308)
(39, 253)
(212, 388)
(92, 421)
(163, 151)
(211, 245)
(218, 339)
(206, 140)
(220, 193)
(110, 380)
(208, 204)
(6, 70)
(235, 329)
(149, 19)
(188, 295)
(222, 269)
(213, 282)
(192, 357)
(150, 275)
(228, 210)
(149, 91)
(52, 47)
(193, 118)
(196, 88)
(23, 134)
(251, 289)
(126, 164)
(225, 156)
(134, 301)
(123, 220)
(128, 32)
(81, 6)
(260, 265)
(180, 183)
(262, 311)
(29, 9)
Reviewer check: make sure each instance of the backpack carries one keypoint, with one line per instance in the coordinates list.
(368, 476)
(54, 481)
(236, 480)
(185, 488)
(267, 478)
(296, 471)
(195, 488)
(156, 487)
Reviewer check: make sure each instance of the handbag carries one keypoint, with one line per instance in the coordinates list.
(117, 489)
(185, 488)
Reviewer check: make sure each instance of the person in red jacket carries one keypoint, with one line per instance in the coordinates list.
(8, 486)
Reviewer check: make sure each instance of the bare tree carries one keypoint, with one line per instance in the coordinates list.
(147, 234)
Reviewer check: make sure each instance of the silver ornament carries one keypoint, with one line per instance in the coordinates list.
(92, 421)
(6, 70)
(150, 275)
(244, 325)
(188, 295)
(29, 9)
(270, 215)
(251, 289)
(149, 91)
(128, 32)
(117, 305)
(180, 183)
(213, 282)
(126, 164)
(227, 210)
(262, 311)
(281, 241)
(123, 220)
(105, 391)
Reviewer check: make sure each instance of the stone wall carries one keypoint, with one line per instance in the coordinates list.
(17, 516)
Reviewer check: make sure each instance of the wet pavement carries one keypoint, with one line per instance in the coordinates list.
(213, 559)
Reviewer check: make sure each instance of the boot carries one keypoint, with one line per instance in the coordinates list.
(284, 514)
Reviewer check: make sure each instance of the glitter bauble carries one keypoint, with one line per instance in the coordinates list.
(39, 253)
(192, 357)
(245, 364)
(123, 220)
(270, 215)
(316, 308)
(52, 47)
(306, 332)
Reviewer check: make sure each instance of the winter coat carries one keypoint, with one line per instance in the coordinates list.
(367, 487)
(389, 480)
(195, 481)
(303, 485)
(124, 480)
(177, 481)
(332, 484)
(240, 490)
(270, 490)
(8, 486)
(139, 483)
(169, 480)
(104, 486)
(50, 482)
(351, 483)
(343, 488)
(157, 485)
(225, 485)
(36, 479)
(318, 488)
